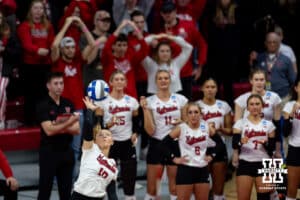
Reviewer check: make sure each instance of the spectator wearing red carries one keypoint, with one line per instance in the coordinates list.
(117, 56)
(36, 35)
(190, 10)
(87, 9)
(8, 7)
(8, 187)
(70, 62)
(188, 31)
(73, 31)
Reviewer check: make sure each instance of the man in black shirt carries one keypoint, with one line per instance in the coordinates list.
(58, 125)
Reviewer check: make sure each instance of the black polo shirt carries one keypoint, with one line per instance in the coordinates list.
(48, 110)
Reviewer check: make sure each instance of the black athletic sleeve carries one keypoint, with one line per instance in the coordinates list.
(88, 125)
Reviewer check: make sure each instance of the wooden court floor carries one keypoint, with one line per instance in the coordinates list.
(230, 190)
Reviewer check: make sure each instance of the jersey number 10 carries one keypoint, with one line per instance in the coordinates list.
(102, 173)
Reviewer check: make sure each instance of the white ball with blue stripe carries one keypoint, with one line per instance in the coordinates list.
(98, 90)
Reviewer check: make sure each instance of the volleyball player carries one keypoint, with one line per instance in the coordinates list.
(162, 111)
(291, 114)
(253, 140)
(197, 150)
(120, 116)
(218, 112)
(96, 169)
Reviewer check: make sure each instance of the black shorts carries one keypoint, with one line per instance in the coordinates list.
(221, 151)
(292, 156)
(122, 150)
(156, 157)
(187, 175)
(78, 196)
(246, 168)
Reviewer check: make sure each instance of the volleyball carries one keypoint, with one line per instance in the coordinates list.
(98, 90)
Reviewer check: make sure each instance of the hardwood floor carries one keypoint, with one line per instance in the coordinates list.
(231, 194)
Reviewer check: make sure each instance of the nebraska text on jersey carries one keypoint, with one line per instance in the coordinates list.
(102, 161)
(114, 110)
(164, 109)
(253, 133)
(210, 115)
(193, 140)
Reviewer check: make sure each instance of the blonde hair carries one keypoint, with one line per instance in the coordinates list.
(190, 104)
(97, 129)
(45, 22)
(162, 71)
(115, 73)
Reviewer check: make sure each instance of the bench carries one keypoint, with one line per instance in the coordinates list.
(22, 138)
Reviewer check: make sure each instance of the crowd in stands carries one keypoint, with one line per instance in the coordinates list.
(152, 54)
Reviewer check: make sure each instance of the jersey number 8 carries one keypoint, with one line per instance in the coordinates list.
(197, 150)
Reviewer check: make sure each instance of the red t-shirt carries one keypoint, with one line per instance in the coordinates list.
(126, 64)
(73, 81)
(87, 11)
(73, 30)
(192, 11)
(33, 38)
(140, 73)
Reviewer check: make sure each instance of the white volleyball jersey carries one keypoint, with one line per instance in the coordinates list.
(96, 172)
(122, 109)
(164, 112)
(294, 138)
(194, 143)
(215, 113)
(271, 100)
(253, 150)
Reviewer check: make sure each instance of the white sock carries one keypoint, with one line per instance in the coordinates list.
(173, 197)
(130, 197)
(289, 198)
(219, 197)
(149, 197)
